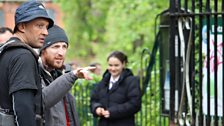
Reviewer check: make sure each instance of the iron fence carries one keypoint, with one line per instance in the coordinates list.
(196, 71)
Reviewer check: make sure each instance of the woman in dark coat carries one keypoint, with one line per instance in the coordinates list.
(117, 97)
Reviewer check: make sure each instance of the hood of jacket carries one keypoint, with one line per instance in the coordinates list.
(126, 72)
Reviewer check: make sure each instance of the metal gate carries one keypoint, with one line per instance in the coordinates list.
(195, 63)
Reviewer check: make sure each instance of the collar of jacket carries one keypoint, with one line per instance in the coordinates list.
(17, 43)
(125, 73)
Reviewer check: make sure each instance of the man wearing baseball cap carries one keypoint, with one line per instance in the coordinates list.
(20, 92)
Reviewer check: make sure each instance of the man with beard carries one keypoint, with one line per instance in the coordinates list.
(58, 103)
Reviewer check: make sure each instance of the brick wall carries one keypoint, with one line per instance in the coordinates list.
(9, 9)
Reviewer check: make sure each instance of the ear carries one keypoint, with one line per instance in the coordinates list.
(21, 27)
(42, 52)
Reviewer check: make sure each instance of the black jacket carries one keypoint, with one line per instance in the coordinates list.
(20, 91)
(122, 101)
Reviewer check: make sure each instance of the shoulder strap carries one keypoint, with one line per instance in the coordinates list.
(3, 46)
(12, 43)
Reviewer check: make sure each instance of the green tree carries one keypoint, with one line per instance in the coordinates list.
(97, 27)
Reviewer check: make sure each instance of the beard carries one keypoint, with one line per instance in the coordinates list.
(54, 64)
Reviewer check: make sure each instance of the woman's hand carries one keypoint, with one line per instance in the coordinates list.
(102, 112)
(106, 113)
(99, 111)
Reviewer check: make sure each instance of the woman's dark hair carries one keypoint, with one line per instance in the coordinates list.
(119, 55)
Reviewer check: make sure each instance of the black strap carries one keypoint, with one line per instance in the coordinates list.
(39, 103)
(4, 46)
(16, 43)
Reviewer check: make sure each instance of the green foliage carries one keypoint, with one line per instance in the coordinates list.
(97, 27)
(81, 91)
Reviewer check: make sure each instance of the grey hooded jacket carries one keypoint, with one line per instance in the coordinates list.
(55, 95)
